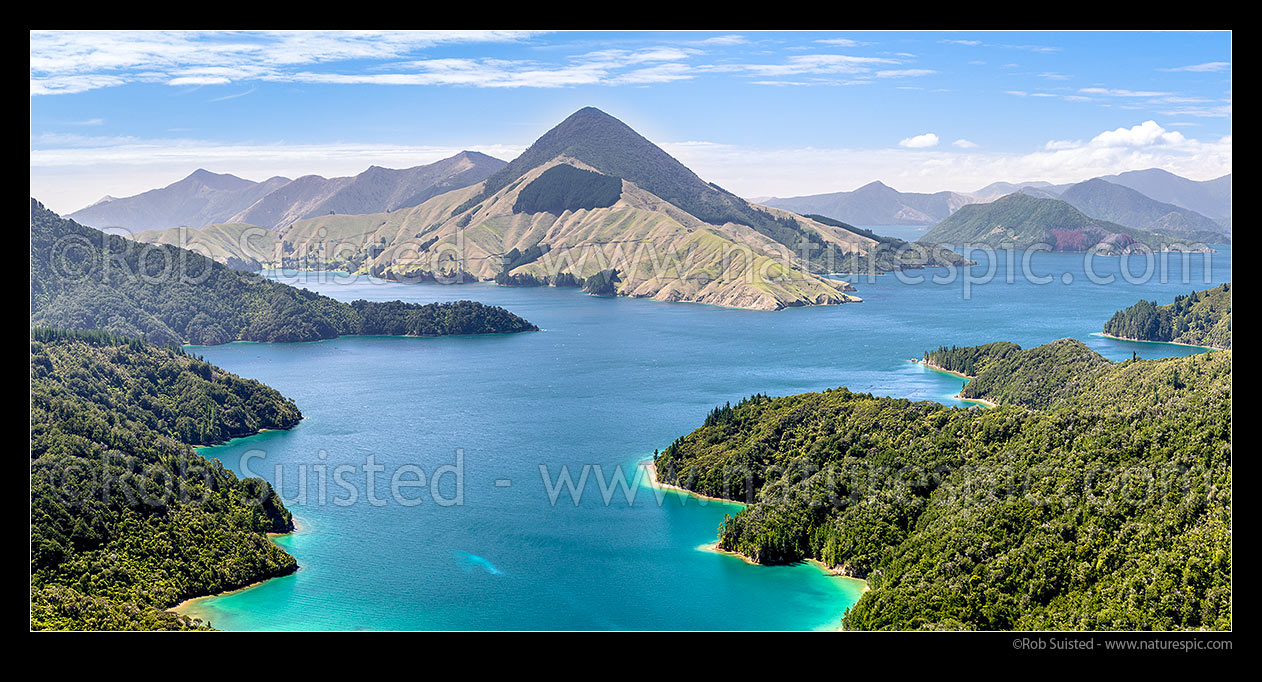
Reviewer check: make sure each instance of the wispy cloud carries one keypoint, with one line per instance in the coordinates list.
(723, 40)
(1210, 67)
(903, 73)
(233, 96)
(73, 62)
(799, 171)
(979, 43)
(1117, 92)
(65, 62)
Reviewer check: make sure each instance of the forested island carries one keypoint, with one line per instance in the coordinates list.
(1202, 318)
(82, 278)
(1096, 495)
(126, 518)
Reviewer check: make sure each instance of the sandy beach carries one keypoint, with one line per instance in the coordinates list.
(936, 368)
(1170, 343)
(187, 602)
(979, 401)
(648, 465)
(957, 396)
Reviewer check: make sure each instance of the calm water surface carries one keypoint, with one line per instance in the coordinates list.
(607, 383)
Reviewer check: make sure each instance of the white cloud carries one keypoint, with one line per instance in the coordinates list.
(723, 40)
(799, 171)
(1202, 68)
(816, 64)
(919, 141)
(903, 73)
(964, 144)
(1121, 93)
(64, 62)
(1053, 145)
(1145, 134)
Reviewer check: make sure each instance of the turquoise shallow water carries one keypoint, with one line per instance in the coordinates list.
(606, 383)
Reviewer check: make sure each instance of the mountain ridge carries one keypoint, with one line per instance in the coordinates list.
(206, 198)
(592, 203)
(1021, 221)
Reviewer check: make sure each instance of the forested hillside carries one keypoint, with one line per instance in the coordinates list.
(126, 518)
(82, 278)
(1202, 318)
(1107, 505)
(968, 360)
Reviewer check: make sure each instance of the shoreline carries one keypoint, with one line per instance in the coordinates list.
(943, 370)
(830, 572)
(179, 608)
(1168, 343)
(651, 469)
(714, 546)
(979, 401)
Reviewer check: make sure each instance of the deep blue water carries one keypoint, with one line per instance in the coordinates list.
(607, 383)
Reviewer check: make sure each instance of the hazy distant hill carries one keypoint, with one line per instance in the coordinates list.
(1020, 221)
(200, 199)
(876, 204)
(376, 190)
(1209, 197)
(994, 190)
(205, 198)
(1105, 200)
(591, 203)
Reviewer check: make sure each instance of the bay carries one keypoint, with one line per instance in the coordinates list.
(606, 383)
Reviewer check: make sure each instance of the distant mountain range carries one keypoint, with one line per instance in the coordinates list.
(1103, 199)
(591, 203)
(877, 204)
(200, 199)
(1019, 220)
(205, 198)
(998, 189)
(1210, 198)
(1152, 200)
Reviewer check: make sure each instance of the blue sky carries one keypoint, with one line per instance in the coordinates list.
(761, 113)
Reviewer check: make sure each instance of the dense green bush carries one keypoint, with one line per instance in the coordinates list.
(1107, 507)
(968, 360)
(564, 188)
(82, 278)
(1202, 318)
(126, 518)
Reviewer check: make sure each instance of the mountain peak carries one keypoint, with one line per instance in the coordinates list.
(875, 185)
(590, 113)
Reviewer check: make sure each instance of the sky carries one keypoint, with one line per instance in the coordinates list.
(761, 113)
